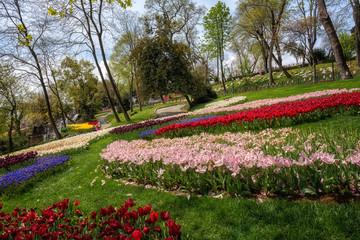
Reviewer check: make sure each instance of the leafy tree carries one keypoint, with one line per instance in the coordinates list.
(165, 67)
(11, 94)
(217, 33)
(262, 20)
(348, 44)
(122, 66)
(182, 15)
(21, 36)
(81, 85)
(304, 29)
(127, 25)
(89, 17)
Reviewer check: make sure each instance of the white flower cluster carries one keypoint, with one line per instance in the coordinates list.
(65, 144)
(225, 102)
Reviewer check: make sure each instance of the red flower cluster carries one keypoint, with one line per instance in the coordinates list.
(59, 221)
(277, 111)
(8, 161)
(93, 123)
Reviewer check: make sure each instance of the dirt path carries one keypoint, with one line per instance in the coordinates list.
(103, 122)
(170, 110)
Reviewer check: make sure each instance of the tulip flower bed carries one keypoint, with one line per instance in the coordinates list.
(273, 161)
(281, 114)
(152, 132)
(8, 161)
(268, 102)
(135, 126)
(25, 174)
(66, 221)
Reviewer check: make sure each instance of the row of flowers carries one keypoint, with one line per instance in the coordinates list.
(239, 107)
(12, 160)
(74, 142)
(225, 102)
(23, 175)
(277, 161)
(283, 111)
(66, 221)
(149, 123)
(268, 102)
(151, 132)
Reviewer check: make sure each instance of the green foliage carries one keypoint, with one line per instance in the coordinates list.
(81, 85)
(217, 28)
(319, 54)
(347, 42)
(165, 67)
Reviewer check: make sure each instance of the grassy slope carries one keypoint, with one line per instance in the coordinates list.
(148, 112)
(295, 73)
(292, 90)
(205, 217)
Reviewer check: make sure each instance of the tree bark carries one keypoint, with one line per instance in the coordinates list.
(162, 99)
(334, 41)
(271, 48)
(10, 140)
(131, 90)
(137, 89)
(222, 69)
(92, 48)
(356, 15)
(188, 100)
(102, 50)
(48, 106)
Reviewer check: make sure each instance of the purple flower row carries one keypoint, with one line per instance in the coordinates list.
(149, 123)
(152, 132)
(22, 175)
(8, 161)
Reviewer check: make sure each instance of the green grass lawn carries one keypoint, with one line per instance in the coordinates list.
(148, 112)
(296, 73)
(291, 90)
(205, 217)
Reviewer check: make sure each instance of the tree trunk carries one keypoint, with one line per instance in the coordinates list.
(188, 100)
(10, 140)
(48, 106)
(131, 90)
(93, 52)
(137, 89)
(222, 69)
(271, 48)
(287, 74)
(356, 15)
(217, 67)
(99, 33)
(334, 40)
(314, 71)
(162, 99)
(278, 52)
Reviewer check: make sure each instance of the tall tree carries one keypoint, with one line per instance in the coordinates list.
(304, 29)
(217, 32)
(348, 44)
(81, 85)
(127, 25)
(89, 16)
(262, 20)
(22, 33)
(182, 15)
(11, 93)
(334, 40)
(355, 4)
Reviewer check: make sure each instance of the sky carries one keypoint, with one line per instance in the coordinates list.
(138, 5)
